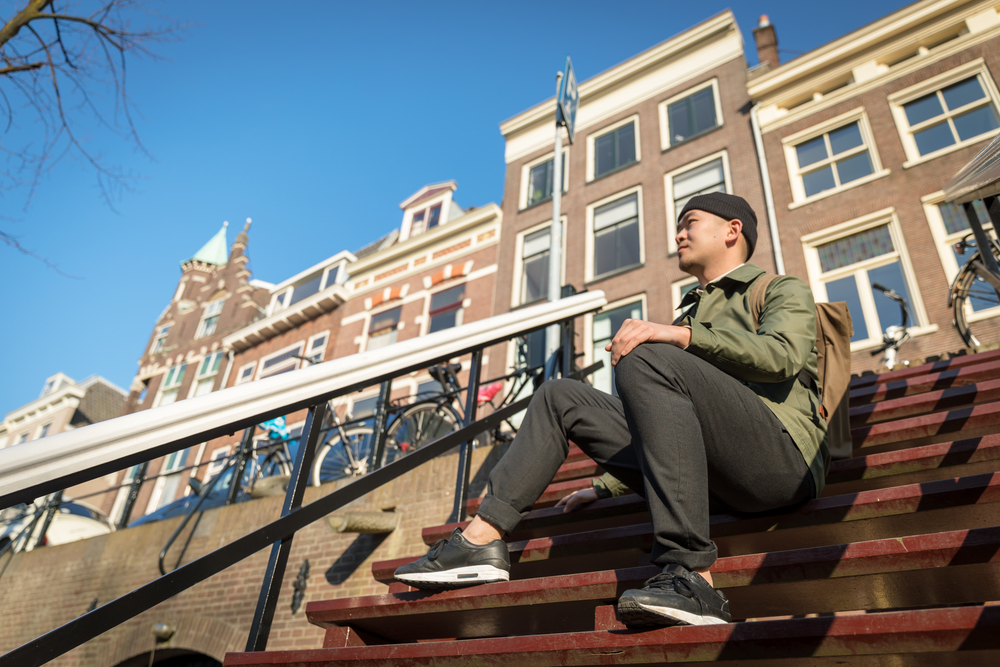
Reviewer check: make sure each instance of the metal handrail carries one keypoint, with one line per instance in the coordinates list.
(117, 445)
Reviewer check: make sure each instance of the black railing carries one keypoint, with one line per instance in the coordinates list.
(294, 516)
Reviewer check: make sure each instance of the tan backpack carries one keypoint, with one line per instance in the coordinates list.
(833, 359)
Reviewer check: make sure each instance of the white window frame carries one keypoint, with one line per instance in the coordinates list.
(526, 172)
(240, 379)
(665, 139)
(209, 312)
(817, 278)
(459, 316)
(515, 294)
(966, 71)
(43, 431)
(289, 362)
(169, 469)
(368, 322)
(209, 374)
(159, 340)
(593, 136)
(173, 385)
(675, 294)
(321, 350)
(790, 143)
(23, 438)
(668, 193)
(216, 463)
(119, 504)
(589, 245)
(943, 242)
(588, 333)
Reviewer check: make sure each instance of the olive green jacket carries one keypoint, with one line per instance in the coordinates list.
(767, 360)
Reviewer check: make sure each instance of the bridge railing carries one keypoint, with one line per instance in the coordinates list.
(30, 471)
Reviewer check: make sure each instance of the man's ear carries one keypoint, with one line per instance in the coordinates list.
(735, 231)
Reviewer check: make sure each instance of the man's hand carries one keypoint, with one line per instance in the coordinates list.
(577, 499)
(636, 332)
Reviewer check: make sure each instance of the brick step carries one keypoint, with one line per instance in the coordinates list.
(919, 384)
(925, 369)
(970, 422)
(940, 569)
(955, 504)
(584, 469)
(950, 636)
(927, 403)
(906, 466)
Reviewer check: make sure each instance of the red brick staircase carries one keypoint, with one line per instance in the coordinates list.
(898, 563)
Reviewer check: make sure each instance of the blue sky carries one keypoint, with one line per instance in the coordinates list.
(316, 123)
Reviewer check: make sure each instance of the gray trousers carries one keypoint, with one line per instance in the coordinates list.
(683, 435)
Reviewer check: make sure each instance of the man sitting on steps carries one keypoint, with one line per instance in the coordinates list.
(710, 410)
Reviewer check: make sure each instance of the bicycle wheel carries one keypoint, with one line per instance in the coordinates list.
(339, 458)
(971, 294)
(416, 426)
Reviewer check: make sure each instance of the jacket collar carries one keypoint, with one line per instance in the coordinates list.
(745, 274)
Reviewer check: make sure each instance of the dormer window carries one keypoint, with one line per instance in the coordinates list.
(426, 220)
(304, 287)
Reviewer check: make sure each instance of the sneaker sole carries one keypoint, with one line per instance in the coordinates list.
(634, 614)
(458, 577)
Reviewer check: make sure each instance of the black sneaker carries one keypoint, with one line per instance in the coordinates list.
(676, 596)
(456, 562)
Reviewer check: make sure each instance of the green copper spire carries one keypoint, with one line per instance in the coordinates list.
(216, 251)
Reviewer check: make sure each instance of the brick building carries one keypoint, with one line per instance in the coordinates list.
(659, 128)
(861, 136)
(184, 356)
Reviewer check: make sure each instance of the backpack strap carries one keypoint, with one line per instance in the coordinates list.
(758, 292)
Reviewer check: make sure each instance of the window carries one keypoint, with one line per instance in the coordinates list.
(844, 269)
(949, 225)
(425, 220)
(207, 371)
(535, 266)
(245, 374)
(956, 113)
(316, 347)
(169, 480)
(44, 431)
(832, 159)
(606, 325)
(946, 112)
(615, 149)
(306, 288)
(281, 362)
(691, 115)
(171, 384)
(540, 178)
(303, 288)
(616, 242)
(23, 438)
(160, 340)
(710, 174)
(210, 319)
(678, 290)
(384, 328)
(446, 308)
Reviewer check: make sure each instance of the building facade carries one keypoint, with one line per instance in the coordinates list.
(861, 136)
(661, 127)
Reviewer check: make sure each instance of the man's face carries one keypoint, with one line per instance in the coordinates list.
(701, 237)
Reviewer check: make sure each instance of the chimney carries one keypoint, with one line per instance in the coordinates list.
(767, 42)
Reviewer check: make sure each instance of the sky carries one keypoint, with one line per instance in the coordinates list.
(316, 123)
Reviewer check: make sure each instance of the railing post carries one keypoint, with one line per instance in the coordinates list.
(465, 453)
(275, 572)
(381, 419)
(246, 451)
(51, 507)
(133, 495)
(984, 246)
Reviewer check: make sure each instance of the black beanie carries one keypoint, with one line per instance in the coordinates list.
(728, 207)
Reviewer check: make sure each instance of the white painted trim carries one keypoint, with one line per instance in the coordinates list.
(139, 432)
(675, 294)
(589, 244)
(278, 353)
(588, 329)
(597, 134)
(665, 138)
(526, 171)
(515, 293)
(668, 190)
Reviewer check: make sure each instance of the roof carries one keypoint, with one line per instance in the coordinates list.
(380, 244)
(216, 251)
(427, 192)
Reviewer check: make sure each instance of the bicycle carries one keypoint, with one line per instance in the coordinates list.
(348, 452)
(972, 290)
(895, 335)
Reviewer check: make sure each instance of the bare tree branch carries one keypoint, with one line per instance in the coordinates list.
(12, 242)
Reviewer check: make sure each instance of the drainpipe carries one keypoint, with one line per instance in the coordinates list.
(772, 222)
(229, 368)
